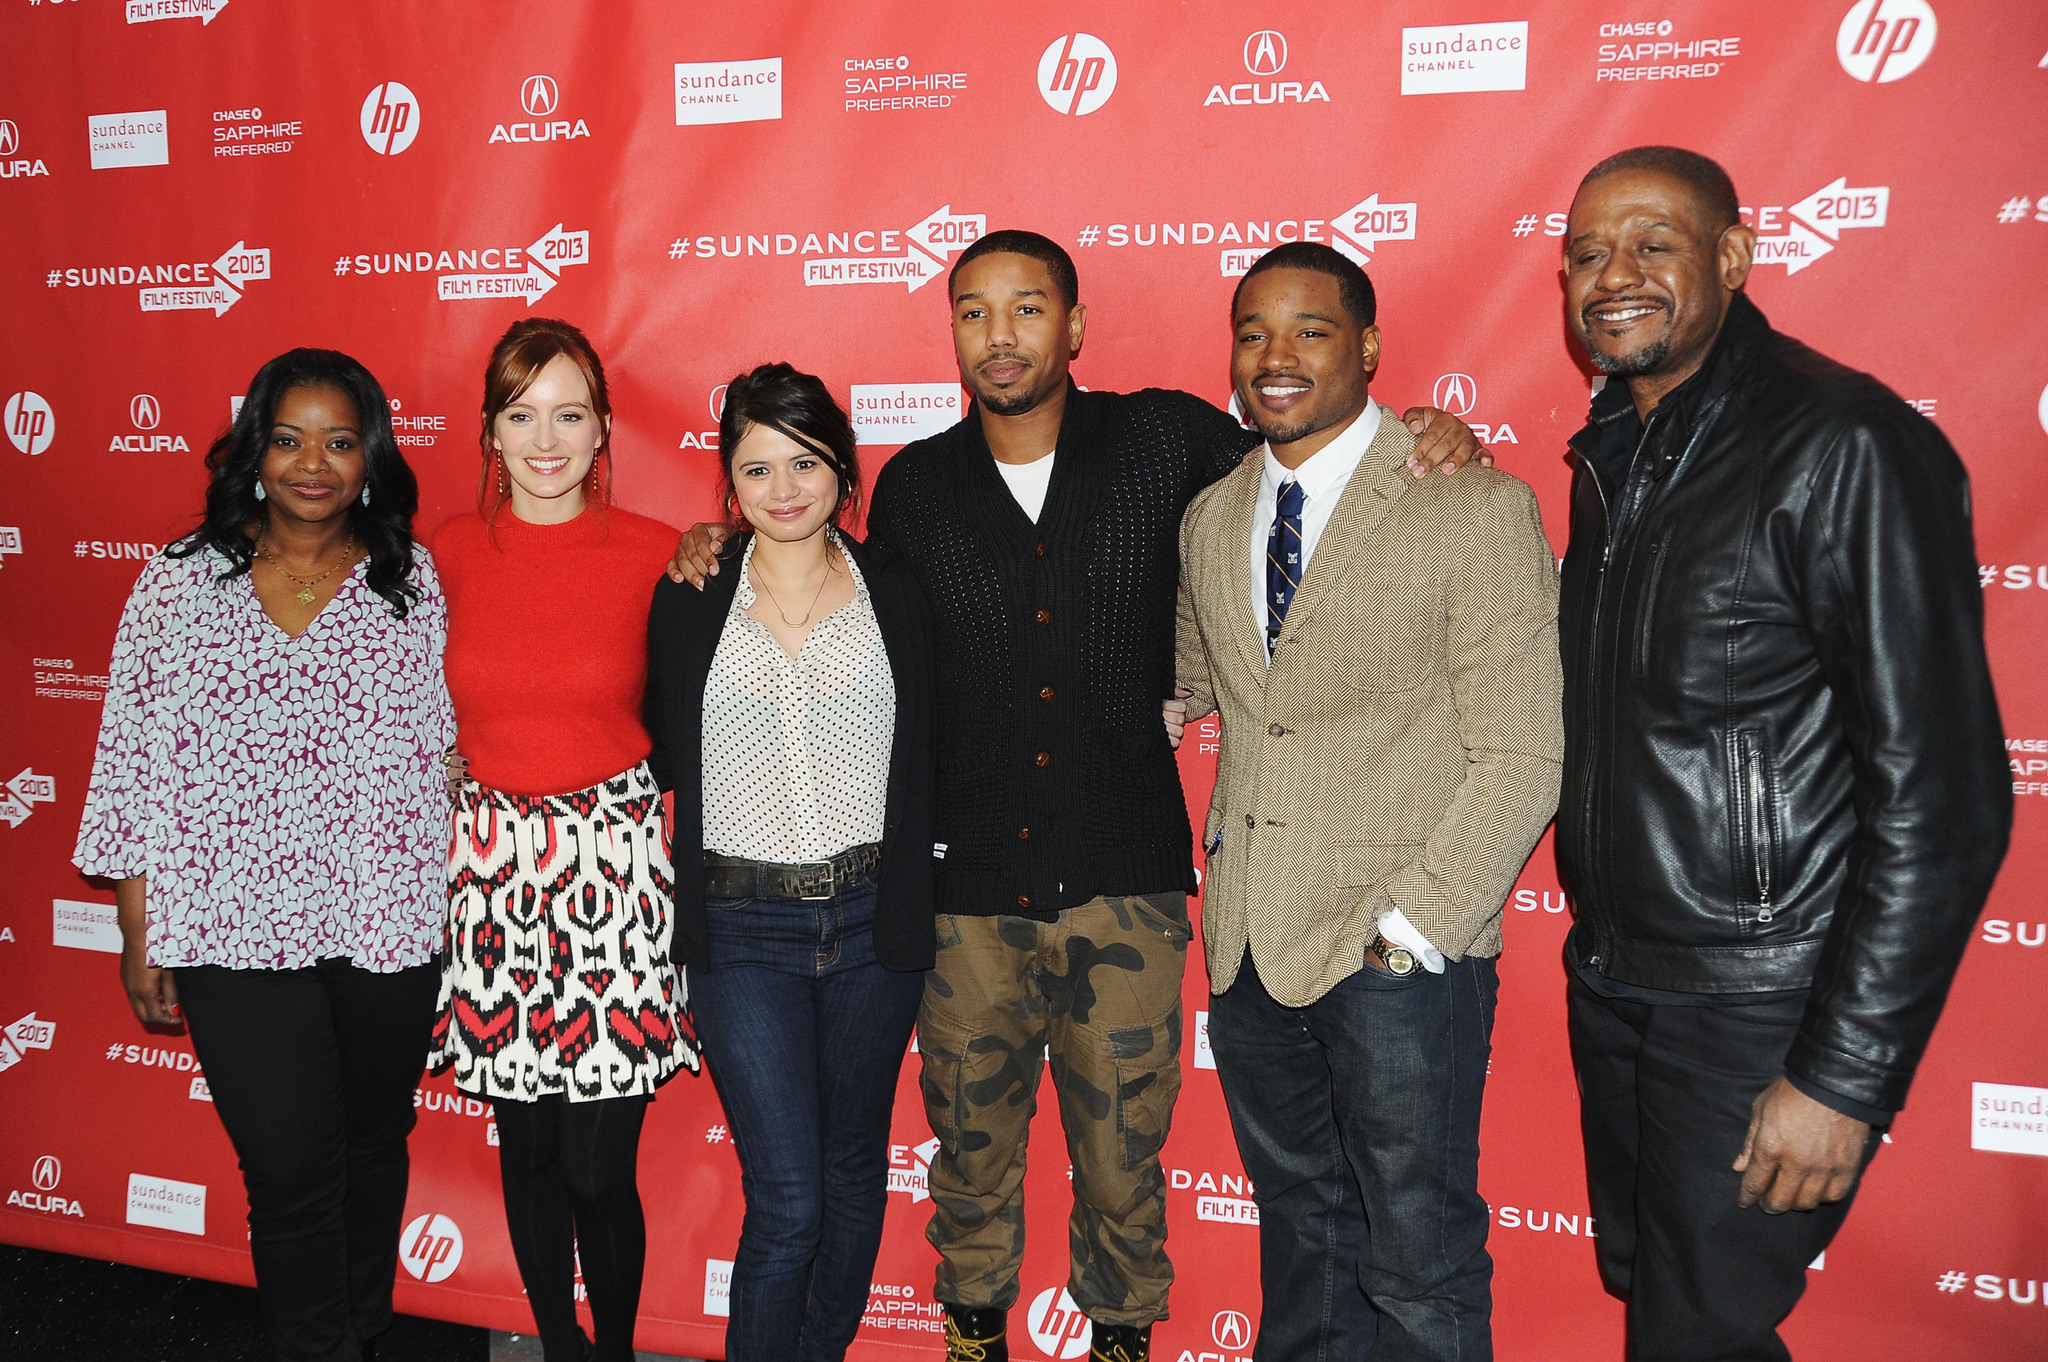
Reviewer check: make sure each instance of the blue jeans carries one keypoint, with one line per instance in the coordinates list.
(805, 1032)
(1357, 1118)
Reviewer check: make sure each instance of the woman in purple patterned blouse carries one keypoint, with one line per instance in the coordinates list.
(268, 798)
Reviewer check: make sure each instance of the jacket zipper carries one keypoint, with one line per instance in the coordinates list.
(1759, 824)
(1593, 630)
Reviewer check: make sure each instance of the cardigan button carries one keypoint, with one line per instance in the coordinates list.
(1043, 759)
(1278, 731)
(1041, 548)
(1045, 693)
(1044, 617)
(1024, 834)
(1023, 900)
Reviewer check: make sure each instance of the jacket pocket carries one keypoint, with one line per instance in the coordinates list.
(1756, 819)
(1646, 606)
(1368, 865)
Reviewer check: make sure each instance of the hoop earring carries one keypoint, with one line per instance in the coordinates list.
(260, 493)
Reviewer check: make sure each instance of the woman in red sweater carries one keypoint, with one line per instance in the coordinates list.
(560, 1004)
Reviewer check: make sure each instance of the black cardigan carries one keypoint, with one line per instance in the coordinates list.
(1055, 647)
(683, 629)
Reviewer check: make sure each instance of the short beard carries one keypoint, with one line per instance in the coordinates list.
(1010, 403)
(1287, 435)
(1634, 364)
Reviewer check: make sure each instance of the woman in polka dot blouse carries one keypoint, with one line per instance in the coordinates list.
(790, 704)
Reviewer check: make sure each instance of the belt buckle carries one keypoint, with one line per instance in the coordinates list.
(831, 878)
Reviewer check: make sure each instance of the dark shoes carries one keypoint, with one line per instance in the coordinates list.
(1121, 1343)
(977, 1335)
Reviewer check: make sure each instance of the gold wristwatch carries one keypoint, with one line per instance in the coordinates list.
(1398, 960)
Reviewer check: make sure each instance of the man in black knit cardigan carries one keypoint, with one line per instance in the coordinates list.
(1044, 529)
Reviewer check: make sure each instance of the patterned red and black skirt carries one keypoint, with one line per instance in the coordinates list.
(556, 976)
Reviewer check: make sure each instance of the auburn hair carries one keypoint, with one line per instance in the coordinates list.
(516, 361)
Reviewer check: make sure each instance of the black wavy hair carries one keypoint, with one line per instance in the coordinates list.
(1354, 287)
(799, 405)
(384, 527)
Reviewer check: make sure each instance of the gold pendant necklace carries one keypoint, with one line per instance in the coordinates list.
(815, 597)
(306, 584)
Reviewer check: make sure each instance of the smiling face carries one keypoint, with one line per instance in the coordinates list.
(786, 488)
(1301, 363)
(313, 467)
(1648, 279)
(548, 437)
(1013, 333)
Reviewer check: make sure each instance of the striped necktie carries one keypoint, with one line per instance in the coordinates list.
(1283, 559)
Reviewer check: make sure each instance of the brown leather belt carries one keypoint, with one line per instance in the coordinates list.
(735, 877)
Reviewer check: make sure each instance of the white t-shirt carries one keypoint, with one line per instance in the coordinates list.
(1028, 482)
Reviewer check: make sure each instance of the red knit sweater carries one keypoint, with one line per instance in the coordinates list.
(547, 644)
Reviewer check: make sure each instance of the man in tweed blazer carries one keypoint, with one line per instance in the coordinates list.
(1382, 650)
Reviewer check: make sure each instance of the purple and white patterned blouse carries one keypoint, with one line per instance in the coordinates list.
(284, 795)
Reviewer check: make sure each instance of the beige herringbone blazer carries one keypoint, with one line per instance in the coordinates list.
(1404, 749)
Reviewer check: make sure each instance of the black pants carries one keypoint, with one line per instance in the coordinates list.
(571, 1191)
(312, 1072)
(1664, 1100)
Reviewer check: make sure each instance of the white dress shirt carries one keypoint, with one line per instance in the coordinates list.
(1323, 476)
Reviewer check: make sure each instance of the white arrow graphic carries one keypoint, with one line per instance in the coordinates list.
(1369, 222)
(150, 11)
(1795, 250)
(944, 232)
(914, 269)
(14, 811)
(30, 1034)
(558, 249)
(31, 788)
(1829, 210)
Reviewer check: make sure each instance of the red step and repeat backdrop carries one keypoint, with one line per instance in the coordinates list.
(191, 186)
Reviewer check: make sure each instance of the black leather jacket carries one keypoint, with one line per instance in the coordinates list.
(1783, 761)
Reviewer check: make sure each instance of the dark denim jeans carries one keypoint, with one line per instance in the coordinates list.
(1357, 1118)
(805, 1033)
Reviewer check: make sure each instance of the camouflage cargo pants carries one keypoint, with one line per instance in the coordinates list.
(1099, 988)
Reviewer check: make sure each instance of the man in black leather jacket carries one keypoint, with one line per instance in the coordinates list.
(1785, 790)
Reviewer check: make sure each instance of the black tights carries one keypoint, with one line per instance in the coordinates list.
(570, 1190)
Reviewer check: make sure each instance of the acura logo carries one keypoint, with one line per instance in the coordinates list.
(539, 96)
(144, 412)
(1457, 394)
(718, 402)
(10, 137)
(1230, 1328)
(48, 1173)
(1265, 52)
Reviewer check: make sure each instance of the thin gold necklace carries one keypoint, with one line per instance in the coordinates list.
(306, 584)
(815, 597)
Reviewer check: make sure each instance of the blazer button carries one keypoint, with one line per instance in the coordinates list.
(1277, 731)
(1044, 617)
(1248, 821)
(1023, 900)
(1043, 759)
